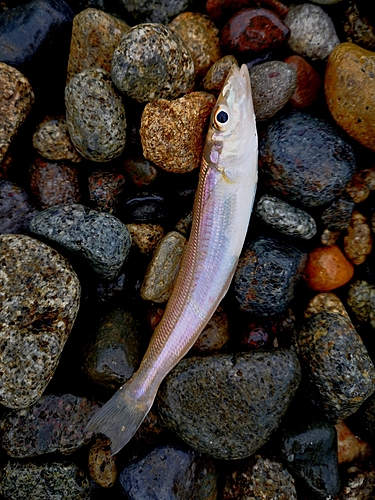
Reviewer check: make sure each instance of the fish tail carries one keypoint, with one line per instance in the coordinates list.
(120, 417)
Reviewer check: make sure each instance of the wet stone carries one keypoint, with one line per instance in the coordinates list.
(361, 299)
(310, 453)
(99, 238)
(95, 35)
(285, 218)
(338, 215)
(54, 423)
(325, 302)
(105, 189)
(349, 446)
(172, 132)
(52, 140)
(358, 240)
(361, 185)
(139, 171)
(214, 336)
(54, 183)
(95, 115)
(215, 77)
(35, 323)
(161, 11)
(102, 465)
(144, 207)
(260, 477)
(357, 27)
(135, 72)
(16, 210)
(359, 482)
(266, 275)
(366, 419)
(44, 481)
(228, 406)
(158, 282)
(313, 34)
(116, 349)
(304, 159)
(256, 334)
(16, 100)
(170, 472)
(146, 236)
(308, 82)
(273, 84)
(342, 377)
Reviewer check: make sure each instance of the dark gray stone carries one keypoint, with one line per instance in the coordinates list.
(338, 215)
(361, 299)
(155, 11)
(16, 210)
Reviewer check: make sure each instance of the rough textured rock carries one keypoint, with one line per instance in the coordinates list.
(337, 216)
(102, 465)
(36, 324)
(139, 171)
(359, 482)
(16, 210)
(155, 11)
(308, 82)
(329, 238)
(217, 74)
(226, 406)
(358, 240)
(146, 236)
(357, 27)
(361, 184)
(349, 446)
(361, 299)
(106, 188)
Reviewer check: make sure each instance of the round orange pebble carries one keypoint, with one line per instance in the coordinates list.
(327, 269)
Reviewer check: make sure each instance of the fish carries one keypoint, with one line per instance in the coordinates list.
(221, 213)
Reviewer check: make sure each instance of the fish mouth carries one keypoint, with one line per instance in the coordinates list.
(236, 87)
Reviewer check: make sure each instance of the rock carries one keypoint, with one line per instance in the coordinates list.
(326, 2)
(350, 95)
(146, 236)
(305, 160)
(95, 35)
(162, 11)
(147, 208)
(116, 350)
(217, 74)
(273, 84)
(106, 188)
(266, 275)
(350, 447)
(200, 36)
(310, 453)
(172, 133)
(366, 419)
(313, 33)
(95, 115)
(52, 140)
(285, 218)
(325, 302)
(257, 334)
(308, 82)
(357, 27)
(16, 100)
(54, 183)
(214, 336)
(102, 465)
(140, 172)
(262, 478)
(162, 270)
(329, 237)
(361, 185)
(327, 269)
(151, 62)
(170, 472)
(54, 423)
(99, 238)
(342, 377)
(221, 10)
(16, 210)
(359, 482)
(338, 215)
(227, 406)
(252, 31)
(34, 325)
(358, 240)
(44, 481)
(361, 299)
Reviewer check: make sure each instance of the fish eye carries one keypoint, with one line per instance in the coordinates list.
(221, 118)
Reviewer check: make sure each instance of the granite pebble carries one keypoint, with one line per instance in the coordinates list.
(16, 209)
(361, 185)
(338, 215)
(216, 75)
(328, 237)
(358, 240)
(146, 208)
(156, 11)
(146, 236)
(102, 464)
(106, 188)
(361, 299)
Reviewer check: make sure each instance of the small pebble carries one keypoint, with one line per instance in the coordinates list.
(359, 482)
(325, 302)
(151, 62)
(163, 11)
(338, 215)
(273, 84)
(313, 34)
(285, 218)
(361, 184)
(16, 209)
(327, 269)
(357, 27)
(220, 10)
(162, 270)
(358, 240)
(361, 299)
(139, 171)
(145, 207)
(105, 189)
(350, 447)
(146, 236)
(214, 336)
(257, 334)
(102, 464)
(95, 115)
(215, 77)
(329, 238)
(172, 132)
(308, 82)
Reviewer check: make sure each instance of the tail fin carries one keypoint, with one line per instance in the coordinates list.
(120, 418)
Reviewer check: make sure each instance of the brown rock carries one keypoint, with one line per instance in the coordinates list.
(222, 9)
(329, 237)
(106, 188)
(139, 171)
(350, 447)
(215, 335)
(172, 133)
(361, 184)
(16, 99)
(350, 91)
(102, 465)
(327, 269)
(308, 82)
(216, 75)
(357, 27)
(325, 302)
(358, 240)
(145, 236)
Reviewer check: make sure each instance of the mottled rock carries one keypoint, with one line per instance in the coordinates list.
(257, 334)
(139, 171)
(215, 334)
(273, 84)
(342, 377)
(260, 477)
(95, 35)
(358, 240)
(350, 91)
(99, 238)
(338, 215)
(329, 237)
(34, 325)
(146, 236)
(217, 74)
(227, 406)
(325, 302)
(172, 133)
(313, 33)
(145, 207)
(95, 115)
(156, 11)
(16, 100)
(54, 423)
(361, 185)
(359, 482)
(101, 463)
(16, 210)
(305, 159)
(349, 446)
(106, 188)
(162, 270)
(308, 82)
(357, 27)
(361, 299)
(221, 10)
(266, 275)
(285, 218)
(170, 472)
(152, 62)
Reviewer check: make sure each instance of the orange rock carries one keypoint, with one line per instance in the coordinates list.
(349, 446)
(308, 82)
(327, 269)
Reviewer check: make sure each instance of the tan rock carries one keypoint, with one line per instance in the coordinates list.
(52, 140)
(146, 236)
(102, 465)
(361, 184)
(358, 240)
(325, 302)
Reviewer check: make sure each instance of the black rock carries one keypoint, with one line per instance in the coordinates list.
(145, 207)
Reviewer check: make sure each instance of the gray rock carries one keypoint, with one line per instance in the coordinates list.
(338, 215)
(227, 406)
(95, 115)
(155, 11)
(16, 210)
(361, 299)
(39, 301)
(100, 238)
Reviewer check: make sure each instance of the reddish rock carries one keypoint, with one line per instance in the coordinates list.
(327, 269)
(308, 82)
(349, 446)
(106, 188)
(257, 335)
(222, 9)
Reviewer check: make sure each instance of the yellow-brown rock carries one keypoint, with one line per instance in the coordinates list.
(358, 240)
(361, 184)
(102, 465)
(349, 446)
(145, 236)
(350, 91)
